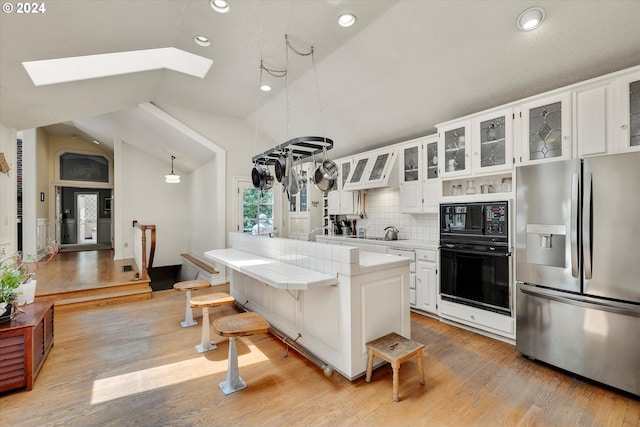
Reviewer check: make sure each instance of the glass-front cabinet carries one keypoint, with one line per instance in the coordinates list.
(546, 129)
(411, 171)
(431, 158)
(341, 202)
(299, 202)
(454, 144)
(431, 186)
(629, 90)
(493, 141)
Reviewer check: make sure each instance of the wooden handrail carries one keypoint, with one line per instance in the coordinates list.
(152, 249)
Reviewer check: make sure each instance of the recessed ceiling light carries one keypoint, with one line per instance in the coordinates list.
(202, 40)
(346, 19)
(530, 19)
(265, 88)
(220, 6)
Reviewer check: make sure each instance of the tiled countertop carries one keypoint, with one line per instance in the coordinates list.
(269, 271)
(403, 244)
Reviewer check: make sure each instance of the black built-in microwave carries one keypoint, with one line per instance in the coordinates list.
(475, 222)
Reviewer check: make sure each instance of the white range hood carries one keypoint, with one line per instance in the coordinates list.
(373, 169)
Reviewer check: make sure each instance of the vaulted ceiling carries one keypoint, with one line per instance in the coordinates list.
(404, 67)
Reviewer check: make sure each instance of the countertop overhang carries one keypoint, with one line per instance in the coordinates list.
(274, 273)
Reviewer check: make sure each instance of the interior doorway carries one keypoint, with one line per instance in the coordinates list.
(84, 219)
(87, 218)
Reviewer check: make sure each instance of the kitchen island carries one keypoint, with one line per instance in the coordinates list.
(330, 299)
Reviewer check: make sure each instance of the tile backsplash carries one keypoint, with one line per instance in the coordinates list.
(383, 210)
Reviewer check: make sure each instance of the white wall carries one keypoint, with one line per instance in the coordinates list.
(141, 194)
(206, 228)
(236, 137)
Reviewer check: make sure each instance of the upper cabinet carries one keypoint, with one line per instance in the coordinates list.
(299, 202)
(372, 170)
(593, 116)
(419, 186)
(492, 137)
(411, 172)
(546, 129)
(341, 202)
(629, 107)
(454, 145)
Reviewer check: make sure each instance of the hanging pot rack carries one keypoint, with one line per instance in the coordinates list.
(300, 148)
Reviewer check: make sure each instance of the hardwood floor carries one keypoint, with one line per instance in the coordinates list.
(132, 364)
(85, 279)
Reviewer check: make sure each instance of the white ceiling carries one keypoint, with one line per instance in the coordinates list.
(405, 66)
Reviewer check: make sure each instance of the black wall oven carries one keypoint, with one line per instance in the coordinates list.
(475, 262)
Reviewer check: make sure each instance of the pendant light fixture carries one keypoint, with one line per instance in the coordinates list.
(172, 178)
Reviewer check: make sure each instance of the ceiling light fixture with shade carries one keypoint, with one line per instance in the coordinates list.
(530, 19)
(172, 178)
(346, 20)
(220, 6)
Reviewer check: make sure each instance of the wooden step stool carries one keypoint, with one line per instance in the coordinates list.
(188, 286)
(237, 325)
(395, 349)
(205, 302)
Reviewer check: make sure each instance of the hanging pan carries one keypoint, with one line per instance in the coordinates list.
(326, 173)
(281, 167)
(256, 175)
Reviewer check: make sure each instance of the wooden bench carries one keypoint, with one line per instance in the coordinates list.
(394, 349)
(188, 286)
(205, 302)
(237, 325)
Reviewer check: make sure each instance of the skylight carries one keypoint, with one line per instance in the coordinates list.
(63, 70)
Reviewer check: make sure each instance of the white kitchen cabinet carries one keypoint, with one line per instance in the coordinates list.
(305, 207)
(492, 141)
(299, 203)
(629, 112)
(342, 202)
(373, 169)
(546, 129)
(426, 281)
(419, 183)
(411, 172)
(454, 142)
(593, 119)
(431, 188)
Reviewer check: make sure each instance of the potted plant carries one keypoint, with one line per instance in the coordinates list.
(12, 275)
(16, 273)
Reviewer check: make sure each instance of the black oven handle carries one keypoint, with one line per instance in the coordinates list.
(470, 252)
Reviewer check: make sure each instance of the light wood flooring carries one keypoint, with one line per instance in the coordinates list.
(133, 365)
(84, 279)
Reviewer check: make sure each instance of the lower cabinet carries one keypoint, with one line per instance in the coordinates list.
(426, 281)
(24, 345)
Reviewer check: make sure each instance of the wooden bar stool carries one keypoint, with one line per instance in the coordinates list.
(395, 349)
(237, 325)
(188, 286)
(205, 302)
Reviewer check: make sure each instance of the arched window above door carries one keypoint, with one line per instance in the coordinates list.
(84, 167)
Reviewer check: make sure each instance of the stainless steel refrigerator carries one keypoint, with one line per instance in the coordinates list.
(578, 267)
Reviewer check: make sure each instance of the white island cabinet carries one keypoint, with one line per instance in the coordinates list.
(330, 299)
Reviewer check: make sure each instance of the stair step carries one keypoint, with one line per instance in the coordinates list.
(100, 300)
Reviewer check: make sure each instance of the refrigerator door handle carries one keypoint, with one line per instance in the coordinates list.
(586, 224)
(581, 301)
(575, 191)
